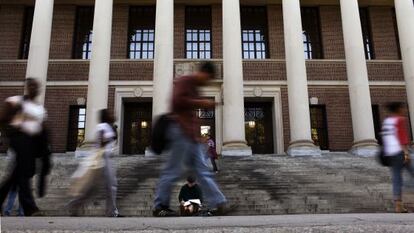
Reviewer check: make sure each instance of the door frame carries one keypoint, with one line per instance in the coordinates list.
(260, 89)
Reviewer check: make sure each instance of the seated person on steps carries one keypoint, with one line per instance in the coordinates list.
(190, 197)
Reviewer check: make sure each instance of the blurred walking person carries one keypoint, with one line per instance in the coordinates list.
(106, 138)
(212, 152)
(186, 147)
(23, 119)
(396, 142)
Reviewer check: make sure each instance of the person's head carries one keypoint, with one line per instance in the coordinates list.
(32, 88)
(396, 108)
(105, 116)
(206, 72)
(191, 181)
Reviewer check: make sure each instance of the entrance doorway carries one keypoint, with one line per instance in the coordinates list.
(136, 127)
(319, 126)
(207, 122)
(259, 127)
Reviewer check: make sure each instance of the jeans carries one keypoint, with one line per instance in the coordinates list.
(10, 204)
(397, 166)
(185, 154)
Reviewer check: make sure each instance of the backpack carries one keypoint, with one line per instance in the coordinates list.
(159, 137)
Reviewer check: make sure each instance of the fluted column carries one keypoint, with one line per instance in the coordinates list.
(301, 143)
(405, 21)
(99, 65)
(234, 140)
(38, 61)
(362, 120)
(164, 56)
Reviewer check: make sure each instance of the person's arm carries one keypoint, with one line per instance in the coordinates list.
(403, 136)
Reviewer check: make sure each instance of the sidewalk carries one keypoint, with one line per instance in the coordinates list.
(244, 224)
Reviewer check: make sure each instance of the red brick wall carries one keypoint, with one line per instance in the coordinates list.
(338, 112)
(12, 71)
(331, 31)
(264, 70)
(120, 23)
(68, 71)
(11, 27)
(63, 29)
(58, 101)
(383, 71)
(327, 71)
(217, 30)
(383, 33)
(276, 33)
(179, 31)
(132, 70)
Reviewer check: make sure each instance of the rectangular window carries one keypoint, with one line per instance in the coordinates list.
(366, 33)
(76, 129)
(27, 32)
(198, 32)
(254, 32)
(311, 33)
(141, 35)
(82, 48)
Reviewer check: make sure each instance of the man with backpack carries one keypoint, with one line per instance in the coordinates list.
(185, 143)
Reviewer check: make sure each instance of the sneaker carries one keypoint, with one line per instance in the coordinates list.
(166, 212)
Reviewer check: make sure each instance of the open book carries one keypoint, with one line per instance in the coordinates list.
(192, 201)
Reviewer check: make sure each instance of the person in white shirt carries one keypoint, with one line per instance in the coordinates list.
(106, 138)
(396, 141)
(23, 120)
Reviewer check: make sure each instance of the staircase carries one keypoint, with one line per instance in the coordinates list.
(259, 185)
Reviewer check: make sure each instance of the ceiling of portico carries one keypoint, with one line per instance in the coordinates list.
(195, 2)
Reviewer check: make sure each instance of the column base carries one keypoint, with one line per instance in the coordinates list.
(236, 149)
(303, 148)
(365, 148)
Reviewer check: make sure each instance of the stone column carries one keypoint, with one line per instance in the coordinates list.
(301, 143)
(362, 120)
(38, 61)
(99, 66)
(163, 57)
(405, 20)
(234, 140)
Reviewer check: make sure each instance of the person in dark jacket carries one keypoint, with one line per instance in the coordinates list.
(189, 196)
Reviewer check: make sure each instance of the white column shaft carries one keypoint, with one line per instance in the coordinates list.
(362, 120)
(99, 65)
(38, 60)
(296, 73)
(405, 20)
(233, 109)
(164, 56)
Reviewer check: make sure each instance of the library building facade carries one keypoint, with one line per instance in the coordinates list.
(295, 76)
